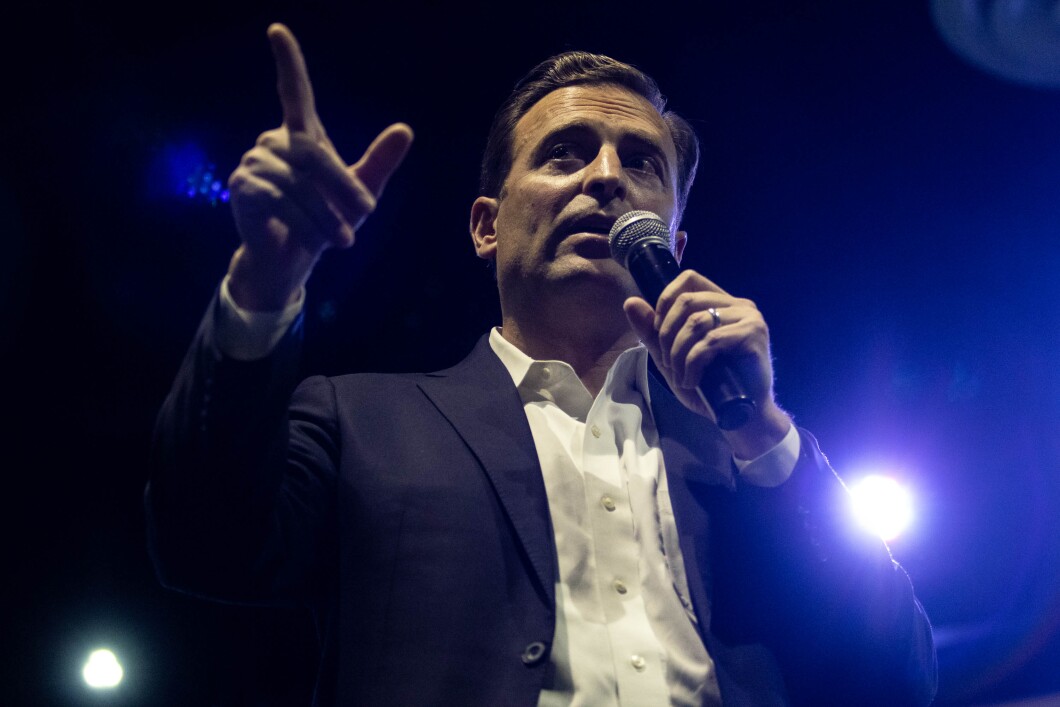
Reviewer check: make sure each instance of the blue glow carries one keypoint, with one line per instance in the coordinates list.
(184, 170)
(202, 185)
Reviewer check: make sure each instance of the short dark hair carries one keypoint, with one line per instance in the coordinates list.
(569, 69)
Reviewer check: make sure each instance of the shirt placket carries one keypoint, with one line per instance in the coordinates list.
(638, 664)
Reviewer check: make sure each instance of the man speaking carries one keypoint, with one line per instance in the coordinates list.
(558, 519)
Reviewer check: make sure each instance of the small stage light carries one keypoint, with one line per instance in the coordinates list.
(183, 169)
(102, 669)
(202, 184)
(882, 505)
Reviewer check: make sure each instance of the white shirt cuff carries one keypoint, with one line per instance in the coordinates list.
(247, 336)
(775, 466)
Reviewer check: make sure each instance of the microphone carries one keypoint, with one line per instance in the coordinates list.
(642, 243)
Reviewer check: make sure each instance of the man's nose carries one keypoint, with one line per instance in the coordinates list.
(604, 177)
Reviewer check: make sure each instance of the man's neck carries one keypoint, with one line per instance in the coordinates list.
(590, 350)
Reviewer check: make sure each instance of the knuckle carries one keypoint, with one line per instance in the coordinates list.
(753, 321)
(269, 139)
(702, 322)
(250, 191)
(258, 192)
(306, 144)
(368, 203)
(707, 341)
(252, 157)
(358, 201)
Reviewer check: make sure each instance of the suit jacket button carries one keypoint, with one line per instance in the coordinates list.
(534, 653)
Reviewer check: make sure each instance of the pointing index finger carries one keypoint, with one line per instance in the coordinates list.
(292, 80)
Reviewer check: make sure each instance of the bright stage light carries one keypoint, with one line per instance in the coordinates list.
(102, 669)
(882, 505)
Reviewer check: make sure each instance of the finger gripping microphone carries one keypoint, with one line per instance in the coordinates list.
(642, 243)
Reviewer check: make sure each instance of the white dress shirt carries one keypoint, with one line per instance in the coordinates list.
(625, 629)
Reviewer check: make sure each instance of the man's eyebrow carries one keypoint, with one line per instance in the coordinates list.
(646, 140)
(574, 127)
(571, 128)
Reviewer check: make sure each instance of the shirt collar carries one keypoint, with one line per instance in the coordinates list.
(555, 381)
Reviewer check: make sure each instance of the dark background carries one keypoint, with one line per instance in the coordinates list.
(892, 210)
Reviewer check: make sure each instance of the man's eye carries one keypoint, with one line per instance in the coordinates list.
(642, 163)
(561, 152)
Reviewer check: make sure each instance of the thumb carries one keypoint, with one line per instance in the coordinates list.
(641, 318)
(383, 157)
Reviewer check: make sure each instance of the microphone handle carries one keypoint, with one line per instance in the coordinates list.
(653, 268)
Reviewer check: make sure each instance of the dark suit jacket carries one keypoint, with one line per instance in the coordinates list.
(409, 512)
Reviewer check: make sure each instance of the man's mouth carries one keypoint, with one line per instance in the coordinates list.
(596, 224)
(588, 235)
(590, 244)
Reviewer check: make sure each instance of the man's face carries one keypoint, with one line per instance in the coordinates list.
(582, 157)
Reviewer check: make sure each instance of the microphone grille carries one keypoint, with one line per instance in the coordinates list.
(636, 226)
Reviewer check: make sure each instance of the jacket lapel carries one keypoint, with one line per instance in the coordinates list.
(478, 398)
(698, 471)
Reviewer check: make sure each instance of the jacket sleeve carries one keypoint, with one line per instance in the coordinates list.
(240, 497)
(824, 595)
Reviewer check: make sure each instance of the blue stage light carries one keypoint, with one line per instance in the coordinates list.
(184, 170)
(200, 184)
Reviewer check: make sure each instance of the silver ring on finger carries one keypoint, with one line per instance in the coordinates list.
(717, 318)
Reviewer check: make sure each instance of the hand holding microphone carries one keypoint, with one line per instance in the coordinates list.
(695, 351)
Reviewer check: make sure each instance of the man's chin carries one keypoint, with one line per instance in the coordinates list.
(603, 274)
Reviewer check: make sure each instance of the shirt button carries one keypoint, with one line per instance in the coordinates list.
(608, 503)
(638, 662)
(596, 431)
(534, 652)
(546, 372)
(620, 586)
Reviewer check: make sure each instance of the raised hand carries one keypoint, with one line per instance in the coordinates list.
(293, 196)
(683, 337)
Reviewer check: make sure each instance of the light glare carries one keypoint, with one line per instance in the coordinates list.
(102, 669)
(882, 505)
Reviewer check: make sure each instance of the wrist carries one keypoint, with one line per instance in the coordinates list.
(762, 432)
(258, 285)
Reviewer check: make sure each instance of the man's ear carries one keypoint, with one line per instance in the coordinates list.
(680, 241)
(483, 227)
